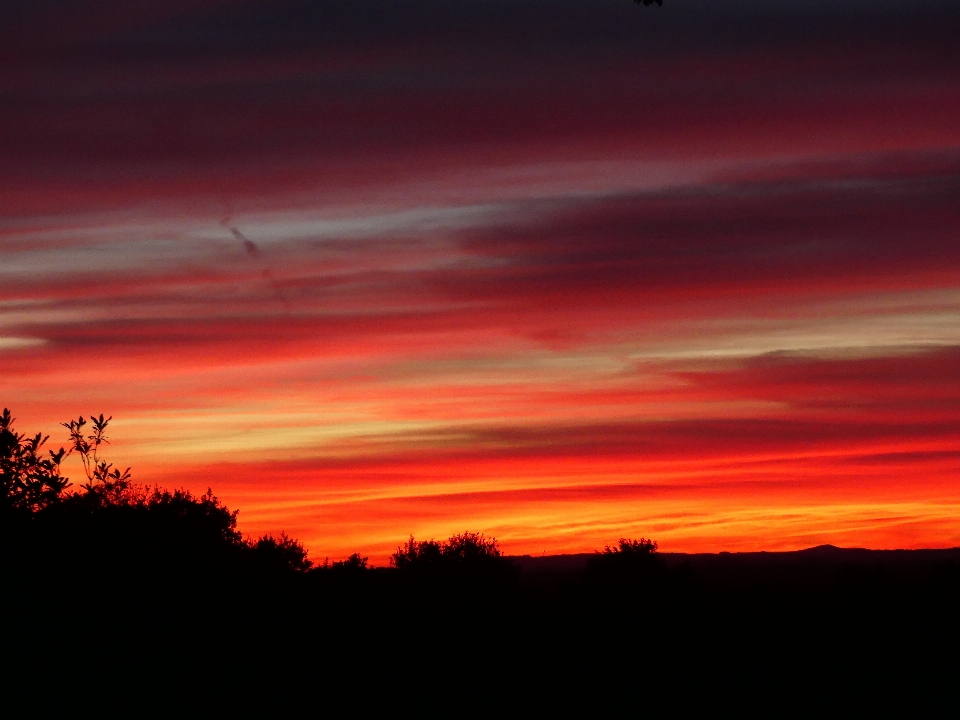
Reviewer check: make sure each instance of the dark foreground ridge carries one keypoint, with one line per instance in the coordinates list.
(814, 595)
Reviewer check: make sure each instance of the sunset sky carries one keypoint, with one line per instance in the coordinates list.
(557, 271)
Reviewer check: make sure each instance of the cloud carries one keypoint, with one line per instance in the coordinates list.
(125, 105)
(512, 265)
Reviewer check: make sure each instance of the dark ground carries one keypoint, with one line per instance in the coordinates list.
(823, 594)
(821, 629)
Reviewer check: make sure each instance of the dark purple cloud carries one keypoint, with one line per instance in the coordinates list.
(261, 97)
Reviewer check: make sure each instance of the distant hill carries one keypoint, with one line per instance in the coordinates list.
(797, 566)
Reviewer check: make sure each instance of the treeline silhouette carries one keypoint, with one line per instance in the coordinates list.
(110, 560)
(113, 526)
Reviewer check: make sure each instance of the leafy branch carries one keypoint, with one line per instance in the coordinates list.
(103, 479)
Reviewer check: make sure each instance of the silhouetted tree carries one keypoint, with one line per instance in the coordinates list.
(471, 547)
(29, 480)
(144, 532)
(466, 554)
(632, 548)
(627, 557)
(32, 481)
(417, 555)
(280, 554)
(354, 564)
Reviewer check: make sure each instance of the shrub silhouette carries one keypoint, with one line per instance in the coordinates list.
(466, 555)
(279, 554)
(631, 548)
(143, 532)
(352, 565)
(417, 555)
(628, 558)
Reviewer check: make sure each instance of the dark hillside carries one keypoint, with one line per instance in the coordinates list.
(822, 594)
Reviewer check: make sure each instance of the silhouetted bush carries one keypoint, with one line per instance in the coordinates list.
(352, 565)
(634, 573)
(465, 555)
(628, 557)
(279, 554)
